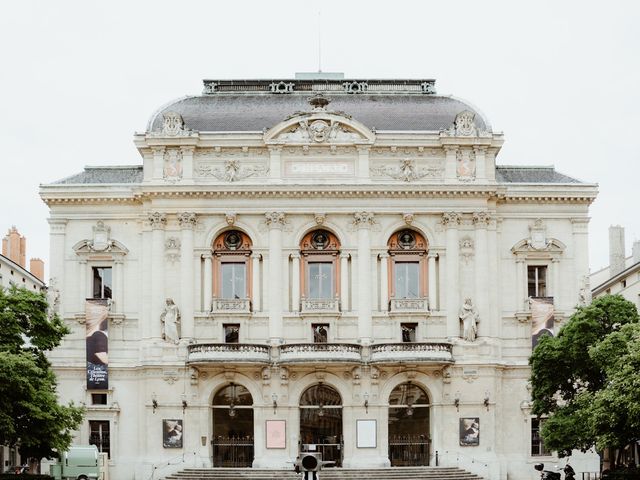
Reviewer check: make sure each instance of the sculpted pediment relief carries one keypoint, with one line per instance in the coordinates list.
(101, 242)
(319, 127)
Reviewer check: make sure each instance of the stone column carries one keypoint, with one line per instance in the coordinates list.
(255, 281)
(433, 282)
(275, 221)
(84, 284)
(187, 221)
(275, 162)
(450, 163)
(384, 282)
(158, 222)
(581, 256)
(554, 291)
(158, 163)
(187, 164)
(482, 284)
(344, 282)
(363, 163)
(295, 282)
(118, 284)
(521, 280)
(363, 222)
(451, 221)
(208, 281)
(57, 230)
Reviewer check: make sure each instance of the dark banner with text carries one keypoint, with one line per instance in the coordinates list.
(97, 322)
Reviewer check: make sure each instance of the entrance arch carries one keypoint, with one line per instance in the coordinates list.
(321, 423)
(409, 426)
(232, 439)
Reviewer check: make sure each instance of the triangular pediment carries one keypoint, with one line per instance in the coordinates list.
(319, 128)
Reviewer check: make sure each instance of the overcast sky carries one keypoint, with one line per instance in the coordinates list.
(561, 79)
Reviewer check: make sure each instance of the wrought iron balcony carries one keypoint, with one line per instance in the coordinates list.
(231, 305)
(228, 352)
(409, 305)
(320, 305)
(320, 352)
(412, 352)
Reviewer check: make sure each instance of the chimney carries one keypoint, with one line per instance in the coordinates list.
(14, 247)
(616, 250)
(636, 252)
(36, 267)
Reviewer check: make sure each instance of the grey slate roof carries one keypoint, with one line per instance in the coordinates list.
(110, 175)
(133, 174)
(255, 112)
(520, 174)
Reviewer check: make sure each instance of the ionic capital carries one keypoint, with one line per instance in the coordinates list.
(481, 219)
(157, 220)
(187, 219)
(364, 219)
(451, 219)
(275, 219)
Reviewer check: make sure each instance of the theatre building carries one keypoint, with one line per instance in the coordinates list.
(324, 264)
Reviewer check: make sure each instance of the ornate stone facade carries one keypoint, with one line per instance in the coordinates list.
(278, 314)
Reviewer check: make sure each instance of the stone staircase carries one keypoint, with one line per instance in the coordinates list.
(396, 473)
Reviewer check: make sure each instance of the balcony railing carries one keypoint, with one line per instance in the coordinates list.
(409, 305)
(228, 352)
(320, 352)
(411, 352)
(231, 305)
(320, 305)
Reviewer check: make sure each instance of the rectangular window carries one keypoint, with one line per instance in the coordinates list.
(102, 283)
(98, 399)
(537, 444)
(537, 280)
(320, 333)
(408, 332)
(407, 281)
(320, 280)
(234, 283)
(231, 333)
(99, 436)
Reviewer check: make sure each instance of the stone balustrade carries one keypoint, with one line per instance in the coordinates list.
(412, 352)
(231, 305)
(228, 352)
(321, 352)
(320, 305)
(409, 305)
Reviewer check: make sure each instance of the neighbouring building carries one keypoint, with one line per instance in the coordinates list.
(622, 276)
(13, 271)
(318, 263)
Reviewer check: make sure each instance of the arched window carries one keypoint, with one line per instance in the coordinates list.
(409, 426)
(233, 427)
(319, 270)
(321, 422)
(408, 270)
(232, 271)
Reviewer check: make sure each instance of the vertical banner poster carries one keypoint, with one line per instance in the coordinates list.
(470, 431)
(276, 434)
(97, 341)
(172, 433)
(541, 318)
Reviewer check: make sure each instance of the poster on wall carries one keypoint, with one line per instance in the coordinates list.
(172, 433)
(541, 318)
(469, 431)
(97, 343)
(366, 434)
(276, 433)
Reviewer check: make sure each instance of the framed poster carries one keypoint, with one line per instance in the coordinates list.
(470, 431)
(172, 433)
(276, 433)
(366, 434)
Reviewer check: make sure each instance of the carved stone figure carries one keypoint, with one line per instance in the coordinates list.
(172, 164)
(407, 171)
(470, 318)
(170, 319)
(232, 171)
(53, 296)
(584, 296)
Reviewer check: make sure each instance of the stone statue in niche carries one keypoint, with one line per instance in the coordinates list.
(584, 296)
(170, 319)
(53, 297)
(470, 318)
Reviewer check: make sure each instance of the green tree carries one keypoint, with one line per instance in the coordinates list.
(30, 415)
(583, 379)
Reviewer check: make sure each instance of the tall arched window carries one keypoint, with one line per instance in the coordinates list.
(232, 271)
(408, 271)
(319, 270)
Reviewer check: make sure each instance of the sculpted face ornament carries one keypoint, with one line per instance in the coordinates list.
(319, 130)
(233, 240)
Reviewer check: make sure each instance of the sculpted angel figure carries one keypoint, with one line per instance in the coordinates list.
(470, 318)
(170, 318)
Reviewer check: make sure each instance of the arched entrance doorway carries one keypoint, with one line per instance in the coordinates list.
(232, 439)
(409, 427)
(321, 423)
